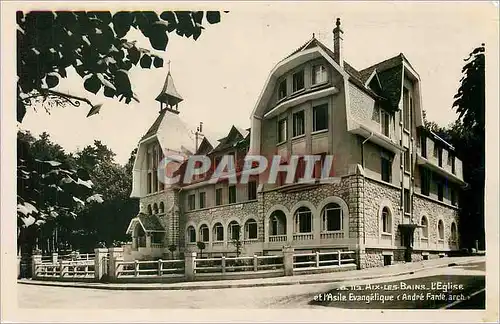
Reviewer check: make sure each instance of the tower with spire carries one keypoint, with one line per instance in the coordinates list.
(169, 98)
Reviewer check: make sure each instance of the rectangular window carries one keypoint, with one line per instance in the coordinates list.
(425, 181)
(333, 219)
(407, 161)
(423, 140)
(386, 168)
(453, 197)
(305, 222)
(440, 188)
(252, 190)
(251, 230)
(282, 89)
(298, 123)
(320, 117)
(219, 233)
(451, 162)
(298, 81)
(191, 202)
(218, 196)
(385, 123)
(282, 130)
(407, 201)
(440, 156)
(406, 109)
(202, 199)
(319, 74)
(150, 180)
(232, 194)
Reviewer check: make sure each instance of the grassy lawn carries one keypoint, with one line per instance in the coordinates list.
(420, 293)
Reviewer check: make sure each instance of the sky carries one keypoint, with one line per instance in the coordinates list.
(221, 75)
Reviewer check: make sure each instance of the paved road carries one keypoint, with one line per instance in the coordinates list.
(297, 296)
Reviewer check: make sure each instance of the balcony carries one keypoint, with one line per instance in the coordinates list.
(331, 235)
(439, 170)
(303, 236)
(277, 238)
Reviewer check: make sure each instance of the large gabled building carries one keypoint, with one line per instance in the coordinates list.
(397, 195)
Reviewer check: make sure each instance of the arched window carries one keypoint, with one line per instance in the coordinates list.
(162, 207)
(234, 230)
(332, 218)
(386, 220)
(191, 234)
(155, 208)
(303, 220)
(204, 233)
(454, 234)
(441, 230)
(250, 229)
(218, 232)
(277, 223)
(425, 227)
(150, 210)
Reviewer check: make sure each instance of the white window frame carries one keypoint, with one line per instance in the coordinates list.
(285, 137)
(302, 71)
(215, 232)
(319, 69)
(425, 229)
(191, 230)
(297, 221)
(386, 221)
(314, 117)
(231, 227)
(247, 229)
(202, 228)
(440, 230)
(296, 126)
(324, 218)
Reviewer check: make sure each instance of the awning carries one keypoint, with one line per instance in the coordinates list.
(149, 223)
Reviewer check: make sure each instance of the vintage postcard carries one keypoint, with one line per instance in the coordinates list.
(249, 161)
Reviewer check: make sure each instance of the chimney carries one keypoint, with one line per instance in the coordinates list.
(337, 44)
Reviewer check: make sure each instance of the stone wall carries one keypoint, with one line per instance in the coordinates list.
(435, 211)
(376, 196)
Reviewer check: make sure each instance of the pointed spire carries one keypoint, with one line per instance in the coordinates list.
(169, 94)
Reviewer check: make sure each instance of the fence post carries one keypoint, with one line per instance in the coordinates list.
(99, 269)
(223, 264)
(136, 268)
(73, 255)
(160, 267)
(288, 260)
(317, 259)
(18, 267)
(115, 256)
(35, 261)
(339, 257)
(54, 257)
(255, 263)
(61, 269)
(190, 265)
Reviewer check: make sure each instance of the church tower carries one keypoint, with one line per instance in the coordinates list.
(159, 203)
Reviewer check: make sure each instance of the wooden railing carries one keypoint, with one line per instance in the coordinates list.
(160, 268)
(66, 269)
(239, 264)
(324, 259)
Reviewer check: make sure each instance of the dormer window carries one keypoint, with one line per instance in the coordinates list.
(319, 74)
(298, 81)
(282, 89)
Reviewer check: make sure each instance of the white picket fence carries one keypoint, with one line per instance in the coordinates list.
(160, 268)
(66, 269)
(238, 264)
(322, 259)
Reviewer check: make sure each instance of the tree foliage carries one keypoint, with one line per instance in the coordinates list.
(49, 183)
(94, 43)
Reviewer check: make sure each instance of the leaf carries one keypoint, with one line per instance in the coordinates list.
(213, 17)
(52, 80)
(122, 82)
(94, 110)
(146, 61)
(122, 21)
(87, 183)
(92, 84)
(105, 82)
(78, 200)
(157, 62)
(134, 55)
(95, 198)
(159, 38)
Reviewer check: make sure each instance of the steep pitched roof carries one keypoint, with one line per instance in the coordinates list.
(233, 138)
(169, 94)
(150, 223)
(154, 127)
